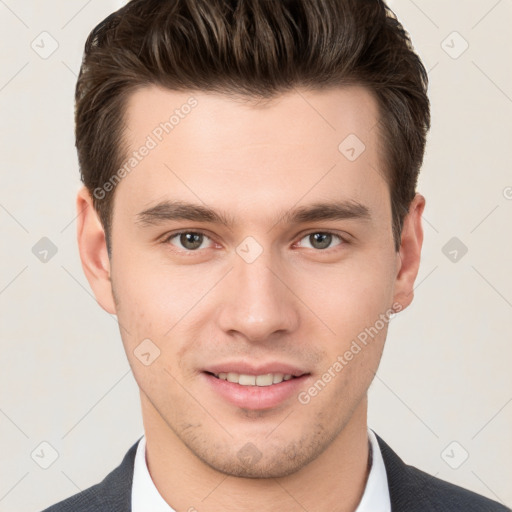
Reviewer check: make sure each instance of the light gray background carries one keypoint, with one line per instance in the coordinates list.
(445, 375)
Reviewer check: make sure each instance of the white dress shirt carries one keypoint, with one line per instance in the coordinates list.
(146, 498)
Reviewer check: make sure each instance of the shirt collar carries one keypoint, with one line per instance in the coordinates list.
(376, 493)
(146, 498)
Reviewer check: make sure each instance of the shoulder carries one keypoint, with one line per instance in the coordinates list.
(411, 489)
(112, 494)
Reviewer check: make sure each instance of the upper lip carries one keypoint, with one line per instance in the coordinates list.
(245, 368)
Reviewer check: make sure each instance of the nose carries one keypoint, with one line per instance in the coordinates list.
(258, 302)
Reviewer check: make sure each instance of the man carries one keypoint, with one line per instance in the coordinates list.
(250, 215)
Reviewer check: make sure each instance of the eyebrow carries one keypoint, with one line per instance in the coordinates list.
(180, 210)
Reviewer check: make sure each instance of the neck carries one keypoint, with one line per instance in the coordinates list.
(335, 480)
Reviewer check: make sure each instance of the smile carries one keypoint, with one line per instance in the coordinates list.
(266, 379)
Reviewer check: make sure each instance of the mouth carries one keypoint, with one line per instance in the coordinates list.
(244, 379)
(256, 389)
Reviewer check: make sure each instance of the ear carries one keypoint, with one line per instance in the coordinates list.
(93, 251)
(409, 253)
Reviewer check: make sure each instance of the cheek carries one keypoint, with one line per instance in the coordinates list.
(162, 304)
(152, 296)
(143, 316)
(349, 297)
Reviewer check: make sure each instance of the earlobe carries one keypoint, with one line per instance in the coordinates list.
(93, 251)
(410, 253)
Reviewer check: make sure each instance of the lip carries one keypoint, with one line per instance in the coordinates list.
(251, 369)
(255, 397)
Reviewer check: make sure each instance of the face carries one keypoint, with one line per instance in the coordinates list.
(253, 243)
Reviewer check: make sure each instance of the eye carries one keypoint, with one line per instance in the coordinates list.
(190, 241)
(193, 241)
(321, 240)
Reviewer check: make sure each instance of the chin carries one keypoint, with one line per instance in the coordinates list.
(262, 459)
(260, 470)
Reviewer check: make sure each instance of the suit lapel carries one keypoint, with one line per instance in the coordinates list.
(116, 487)
(405, 490)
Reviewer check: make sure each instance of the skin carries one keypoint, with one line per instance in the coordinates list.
(296, 303)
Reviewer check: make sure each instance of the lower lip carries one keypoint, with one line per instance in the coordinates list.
(256, 397)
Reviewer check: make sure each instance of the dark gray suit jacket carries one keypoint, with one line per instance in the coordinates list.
(410, 489)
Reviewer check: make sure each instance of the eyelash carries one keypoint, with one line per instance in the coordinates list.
(169, 237)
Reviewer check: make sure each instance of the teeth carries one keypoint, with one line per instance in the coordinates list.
(263, 380)
(254, 380)
(247, 380)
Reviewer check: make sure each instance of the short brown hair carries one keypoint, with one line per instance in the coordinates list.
(255, 49)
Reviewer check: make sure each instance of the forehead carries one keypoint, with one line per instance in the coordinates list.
(210, 117)
(240, 154)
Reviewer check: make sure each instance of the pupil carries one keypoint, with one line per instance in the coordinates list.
(190, 240)
(323, 238)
